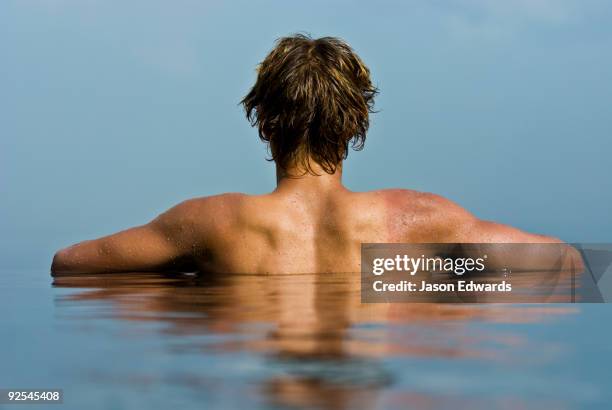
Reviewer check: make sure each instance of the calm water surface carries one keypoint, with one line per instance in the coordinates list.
(298, 341)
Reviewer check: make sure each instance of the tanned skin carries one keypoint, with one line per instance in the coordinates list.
(309, 223)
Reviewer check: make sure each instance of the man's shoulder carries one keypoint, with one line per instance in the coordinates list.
(411, 197)
(218, 200)
(205, 208)
(424, 216)
(431, 208)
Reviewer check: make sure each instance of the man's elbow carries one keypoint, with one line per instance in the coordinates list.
(574, 259)
(61, 262)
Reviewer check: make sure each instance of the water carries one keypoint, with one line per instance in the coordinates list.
(288, 342)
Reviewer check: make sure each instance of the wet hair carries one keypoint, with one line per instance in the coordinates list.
(311, 100)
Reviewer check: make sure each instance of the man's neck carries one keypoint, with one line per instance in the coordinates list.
(296, 179)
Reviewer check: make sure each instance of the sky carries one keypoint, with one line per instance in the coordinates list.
(113, 111)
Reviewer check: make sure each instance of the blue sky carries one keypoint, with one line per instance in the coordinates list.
(112, 111)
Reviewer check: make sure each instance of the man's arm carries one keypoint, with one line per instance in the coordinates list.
(506, 246)
(167, 243)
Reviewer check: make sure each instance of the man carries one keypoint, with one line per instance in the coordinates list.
(310, 102)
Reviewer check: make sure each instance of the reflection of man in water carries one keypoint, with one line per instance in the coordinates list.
(319, 346)
(311, 101)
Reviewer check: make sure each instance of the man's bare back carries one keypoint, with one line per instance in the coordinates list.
(315, 225)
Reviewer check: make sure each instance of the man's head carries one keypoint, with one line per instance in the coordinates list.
(311, 101)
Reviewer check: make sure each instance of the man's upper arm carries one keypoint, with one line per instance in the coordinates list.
(165, 243)
(505, 244)
(460, 226)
